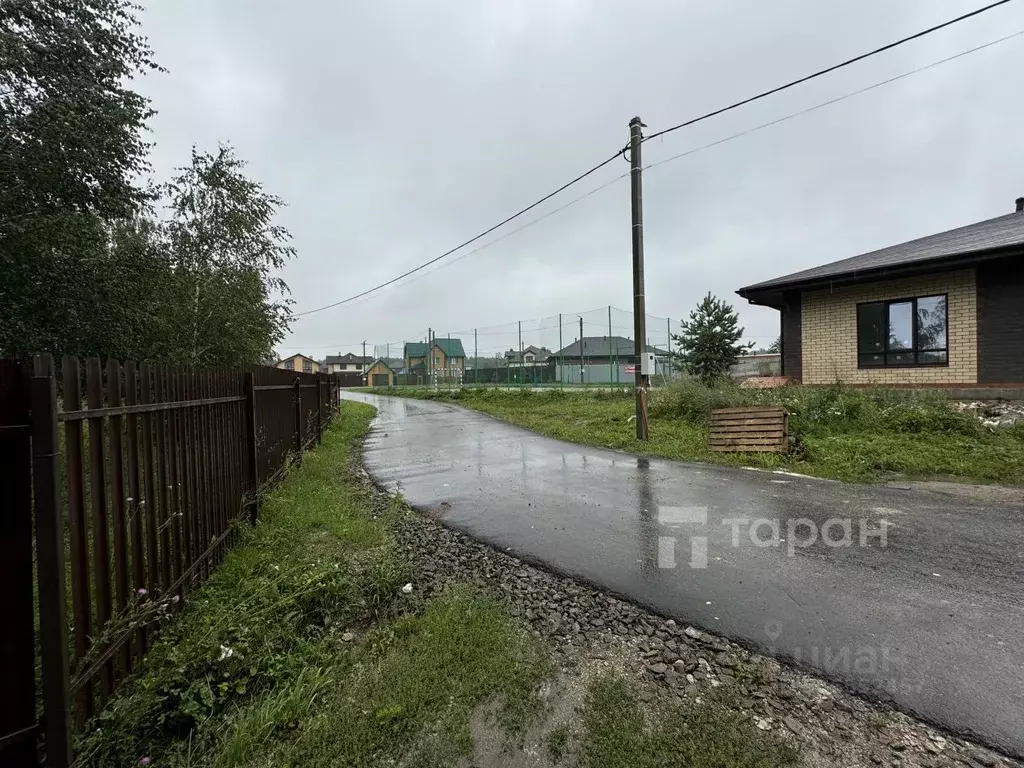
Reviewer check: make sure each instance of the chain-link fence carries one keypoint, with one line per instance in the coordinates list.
(591, 348)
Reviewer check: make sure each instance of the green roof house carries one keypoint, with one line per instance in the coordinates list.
(450, 347)
(415, 354)
(449, 360)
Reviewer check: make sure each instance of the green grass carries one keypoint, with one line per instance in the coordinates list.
(303, 650)
(616, 734)
(421, 679)
(558, 742)
(845, 434)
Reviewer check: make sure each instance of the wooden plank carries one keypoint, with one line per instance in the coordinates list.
(203, 459)
(164, 517)
(81, 602)
(236, 435)
(745, 449)
(46, 478)
(174, 457)
(749, 419)
(18, 641)
(118, 501)
(251, 460)
(98, 494)
(742, 428)
(131, 392)
(126, 410)
(750, 409)
(745, 442)
(149, 510)
(746, 438)
(191, 543)
(776, 425)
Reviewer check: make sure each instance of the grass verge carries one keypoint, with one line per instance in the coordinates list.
(618, 733)
(840, 433)
(303, 649)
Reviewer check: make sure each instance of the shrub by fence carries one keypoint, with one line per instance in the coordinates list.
(134, 481)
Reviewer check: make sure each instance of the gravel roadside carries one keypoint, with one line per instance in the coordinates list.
(586, 628)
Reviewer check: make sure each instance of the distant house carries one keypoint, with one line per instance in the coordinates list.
(300, 362)
(602, 359)
(530, 355)
(349, 362)
(944, 310)
(380, 374)
(442, 358)
(449, 358)
(415, 355)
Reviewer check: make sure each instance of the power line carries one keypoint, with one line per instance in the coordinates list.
(488, 244)
(827, 70)
(851, 94)
(736, 105)
(486, 232)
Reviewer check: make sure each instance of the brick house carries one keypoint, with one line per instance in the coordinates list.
(944, 310)
(449, 357)
(441, 358)
(300, 362)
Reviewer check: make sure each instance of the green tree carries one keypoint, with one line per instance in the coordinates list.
(710, 340)
(71, 149)
(227, 306)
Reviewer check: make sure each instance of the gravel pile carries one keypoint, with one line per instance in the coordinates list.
(581, 625)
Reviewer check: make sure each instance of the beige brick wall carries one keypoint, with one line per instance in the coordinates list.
(829, 332)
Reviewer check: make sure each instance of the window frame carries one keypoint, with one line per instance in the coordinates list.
(915, 349)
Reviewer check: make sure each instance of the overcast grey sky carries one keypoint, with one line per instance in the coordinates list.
(396, 130)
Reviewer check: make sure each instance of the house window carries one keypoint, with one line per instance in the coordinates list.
(903, 332)
(307, 366)
(289, 365)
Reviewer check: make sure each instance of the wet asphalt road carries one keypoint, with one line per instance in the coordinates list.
(932, 620)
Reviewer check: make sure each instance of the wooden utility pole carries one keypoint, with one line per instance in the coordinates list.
(561, 361)
(581, 349)
(612, 356)
(668, 360)
(639, 304)
(522, 363)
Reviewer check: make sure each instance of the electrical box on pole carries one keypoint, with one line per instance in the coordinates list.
(648, 364)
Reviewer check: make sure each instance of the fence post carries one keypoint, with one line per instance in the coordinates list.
(319, 408)
(18, 724)
(251, 467)
(50, 556)
(298, 419)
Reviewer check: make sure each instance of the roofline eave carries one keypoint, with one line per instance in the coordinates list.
(771, 295)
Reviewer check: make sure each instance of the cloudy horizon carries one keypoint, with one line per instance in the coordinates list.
(395, 132)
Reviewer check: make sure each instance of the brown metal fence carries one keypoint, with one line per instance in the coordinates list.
(134, 481)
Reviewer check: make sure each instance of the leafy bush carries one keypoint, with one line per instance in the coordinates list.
(821, 411)
(690, 400)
